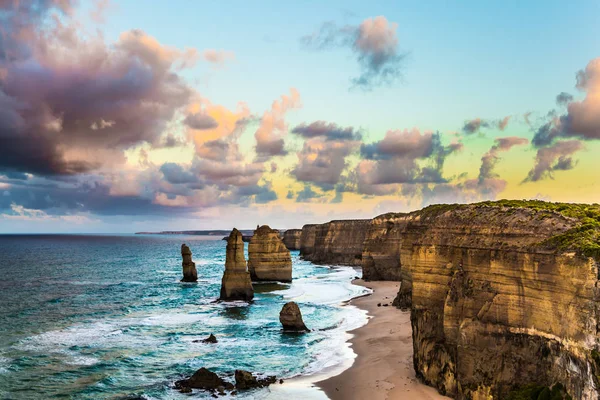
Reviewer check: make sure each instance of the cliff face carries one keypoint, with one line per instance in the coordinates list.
(381, 249)
(335, 242)
(495, 302)
(291, 239)
(307, 241)
(268, 258)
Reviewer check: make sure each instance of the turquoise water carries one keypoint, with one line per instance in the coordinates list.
(89, 317)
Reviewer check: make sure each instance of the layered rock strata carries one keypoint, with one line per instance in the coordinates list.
(497, 302)
(268, 258)
(189, 267)
(336, 242)
(236, 283)
(291, 239)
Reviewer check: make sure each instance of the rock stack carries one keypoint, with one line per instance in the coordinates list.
(236, 283)
(291, 318)
(268, 258)
(189, 267)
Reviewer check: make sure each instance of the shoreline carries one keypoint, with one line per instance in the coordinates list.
(383, 367)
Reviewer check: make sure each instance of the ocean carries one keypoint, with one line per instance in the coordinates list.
(106, 317)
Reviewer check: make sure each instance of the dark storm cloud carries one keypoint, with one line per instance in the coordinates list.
(491, 158)
(307, 194)
(402, 157)
(63, 93)
(175, 173)
(322, 162)
(552, 158)
(563, 98)
(375, 44)
(200, 121)
(476, 124)
(328, 131)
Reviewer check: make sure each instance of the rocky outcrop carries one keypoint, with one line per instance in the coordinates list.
(502, 294)
(203, 379)
(189, 267)
(291, 318)
(291, 239)
(244, 380)
(268, 258)
(336, 242)
(236, 283)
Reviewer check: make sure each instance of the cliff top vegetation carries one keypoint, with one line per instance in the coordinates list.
(583, 238)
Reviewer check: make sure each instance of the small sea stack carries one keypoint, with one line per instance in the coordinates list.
(236, 283)
(291, 318)
(189, 267)
(268, 258)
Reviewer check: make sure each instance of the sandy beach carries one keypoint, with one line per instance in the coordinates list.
(383, 368)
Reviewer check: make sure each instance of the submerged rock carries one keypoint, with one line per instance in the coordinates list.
(245, 380)
(291, 318)
(268, 258)
(203, 379)
(236, 283)
(189, 267)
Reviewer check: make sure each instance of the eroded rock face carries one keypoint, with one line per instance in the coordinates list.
(268, 258)
(291, 318)
(291, 239)
(189, 267)
(236, 283)
(336, 242)
(491, 308)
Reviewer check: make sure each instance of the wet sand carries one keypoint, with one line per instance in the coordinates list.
(383, 368)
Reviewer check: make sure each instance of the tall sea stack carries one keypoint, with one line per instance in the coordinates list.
(189, 267)
(236, 283)
(268, 258)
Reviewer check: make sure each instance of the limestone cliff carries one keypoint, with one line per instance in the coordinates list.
(268, 258)
(291, 239)
(189, 267)
(236, 283)
(381, 249)
(336, 242)
(307, 241)
(502, 294)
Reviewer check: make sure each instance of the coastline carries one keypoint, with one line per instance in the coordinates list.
(383, 368)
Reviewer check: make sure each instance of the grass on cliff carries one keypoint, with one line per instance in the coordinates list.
(535, 392)
(583, 238)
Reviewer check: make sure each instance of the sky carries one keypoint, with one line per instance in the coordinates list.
(118, 116)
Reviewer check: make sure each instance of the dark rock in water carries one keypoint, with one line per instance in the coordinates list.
(185, 389)
(236, 283)
(245, 380)
(281, 381)
(203, 379)
(189, 267)
(291, 318)
(210, 339)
